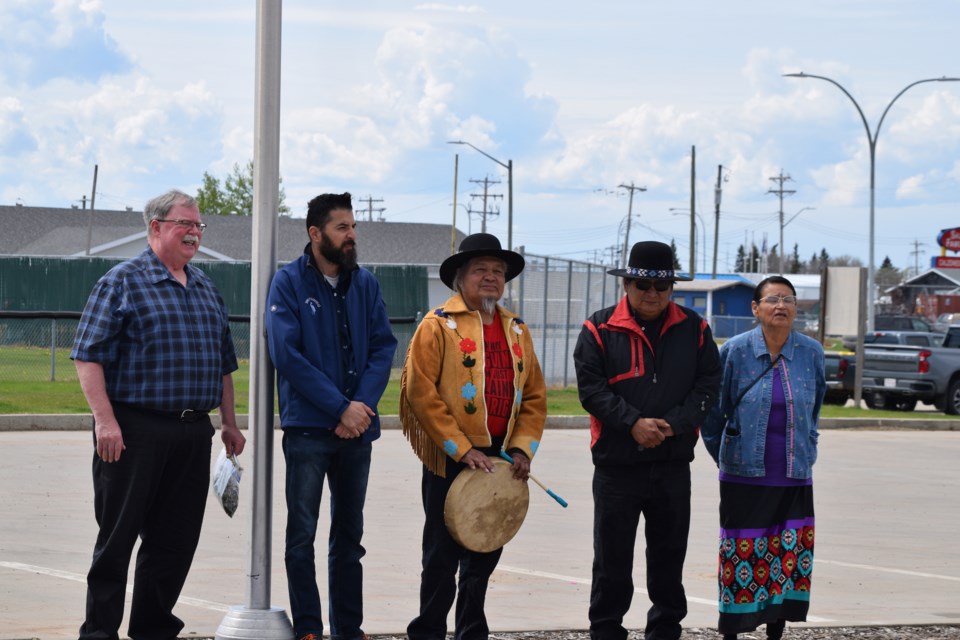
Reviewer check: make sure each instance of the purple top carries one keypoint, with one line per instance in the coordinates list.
(775, 448)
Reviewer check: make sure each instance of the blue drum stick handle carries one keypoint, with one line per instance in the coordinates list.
(560, 501)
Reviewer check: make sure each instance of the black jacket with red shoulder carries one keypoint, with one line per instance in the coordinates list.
(621, 379)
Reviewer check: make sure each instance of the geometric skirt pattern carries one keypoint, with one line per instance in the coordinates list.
(765, 555)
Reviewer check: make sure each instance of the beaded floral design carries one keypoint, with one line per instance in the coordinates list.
(468, 346)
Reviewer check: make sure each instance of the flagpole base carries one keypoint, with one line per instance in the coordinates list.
(242, 623)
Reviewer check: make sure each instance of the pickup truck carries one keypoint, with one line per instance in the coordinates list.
(916, 338)
(839, 367)
(898, 376)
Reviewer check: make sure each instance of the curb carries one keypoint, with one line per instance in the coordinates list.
(84, 422)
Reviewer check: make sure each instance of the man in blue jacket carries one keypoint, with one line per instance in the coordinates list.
(330, 341)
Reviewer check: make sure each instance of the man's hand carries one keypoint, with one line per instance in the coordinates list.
(649, 432)
(357, 416)
(520, 466)
(345, 432)
(233, 439)
(477, 460)
(109, 441)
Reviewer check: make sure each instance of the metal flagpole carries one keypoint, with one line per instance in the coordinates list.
(257, 619)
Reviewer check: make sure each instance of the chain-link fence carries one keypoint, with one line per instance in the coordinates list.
(554, 296)
(35, 347)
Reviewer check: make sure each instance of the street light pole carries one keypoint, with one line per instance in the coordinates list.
(626, 237)
(509, 167)
(782, 225)
(703, 234)
(872, 141)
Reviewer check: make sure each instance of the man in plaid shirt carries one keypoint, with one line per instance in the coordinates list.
(154, 356)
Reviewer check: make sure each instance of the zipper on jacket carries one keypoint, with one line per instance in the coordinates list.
(638, 350)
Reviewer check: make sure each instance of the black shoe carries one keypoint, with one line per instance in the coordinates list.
(775, 629)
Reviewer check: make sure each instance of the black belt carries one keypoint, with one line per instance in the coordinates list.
(186, 415)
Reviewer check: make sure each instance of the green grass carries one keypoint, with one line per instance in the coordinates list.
(66, 397)
(25, 387)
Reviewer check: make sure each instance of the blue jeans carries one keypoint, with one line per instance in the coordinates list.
(312, 455)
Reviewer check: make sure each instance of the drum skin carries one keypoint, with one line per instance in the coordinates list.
(483, 511)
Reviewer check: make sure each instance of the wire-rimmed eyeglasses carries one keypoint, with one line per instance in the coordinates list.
(775, 300)
(186, 224)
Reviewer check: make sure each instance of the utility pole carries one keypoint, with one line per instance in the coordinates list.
(693, 208)
(716, 222)
(486, 182)
(626, 236)
(93, 200)
(370, 200)
(780, 191)
(613, 254)
(916, 255)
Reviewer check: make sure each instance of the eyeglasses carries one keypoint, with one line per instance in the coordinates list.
(775, 300)
(186, 224)
(659, 285)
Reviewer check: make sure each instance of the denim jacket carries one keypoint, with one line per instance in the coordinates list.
(736, 442)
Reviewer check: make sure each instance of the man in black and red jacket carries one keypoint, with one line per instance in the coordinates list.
(648, 372)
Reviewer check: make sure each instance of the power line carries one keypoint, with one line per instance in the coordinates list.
(370, 208)
(486, 182)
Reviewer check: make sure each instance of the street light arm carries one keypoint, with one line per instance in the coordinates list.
(871, 138)
(480, 151)
(798, 213)
(903, 91)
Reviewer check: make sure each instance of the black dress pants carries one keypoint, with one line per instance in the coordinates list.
(442, 556)
(156, 491)
(660, 491)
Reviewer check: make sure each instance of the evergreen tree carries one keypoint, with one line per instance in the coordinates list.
(754, 266)
(795, 265)
(676, 261)
(740, 265)
(888, 275)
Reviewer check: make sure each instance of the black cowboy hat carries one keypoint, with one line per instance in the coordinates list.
(480, 245)
(652, 260)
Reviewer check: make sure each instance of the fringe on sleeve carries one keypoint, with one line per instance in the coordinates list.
(426, 449)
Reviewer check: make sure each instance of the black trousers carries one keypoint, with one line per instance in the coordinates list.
(442, 556)
(660, 491)
(156, 491)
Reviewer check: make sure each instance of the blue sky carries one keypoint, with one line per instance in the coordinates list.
(582, 97)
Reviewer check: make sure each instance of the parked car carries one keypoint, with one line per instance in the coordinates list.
(946, 320)
(889, 322)
(915, 338)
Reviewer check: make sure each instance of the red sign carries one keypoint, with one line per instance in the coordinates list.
(946, 262)
(949, 239)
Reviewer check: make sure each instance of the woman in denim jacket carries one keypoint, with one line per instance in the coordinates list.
(763, 435)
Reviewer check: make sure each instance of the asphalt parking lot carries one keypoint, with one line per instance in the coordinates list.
(888, 516)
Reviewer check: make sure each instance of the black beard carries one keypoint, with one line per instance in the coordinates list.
(346, 260)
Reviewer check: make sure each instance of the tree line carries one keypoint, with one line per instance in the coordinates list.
(234, 197)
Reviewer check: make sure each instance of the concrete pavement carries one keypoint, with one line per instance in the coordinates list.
(888, 512)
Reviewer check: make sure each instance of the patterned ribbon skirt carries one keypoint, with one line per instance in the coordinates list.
(766, 555)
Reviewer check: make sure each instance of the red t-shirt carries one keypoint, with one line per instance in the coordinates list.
(498, 373)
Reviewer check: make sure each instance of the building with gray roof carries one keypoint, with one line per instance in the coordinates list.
(50, 231)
